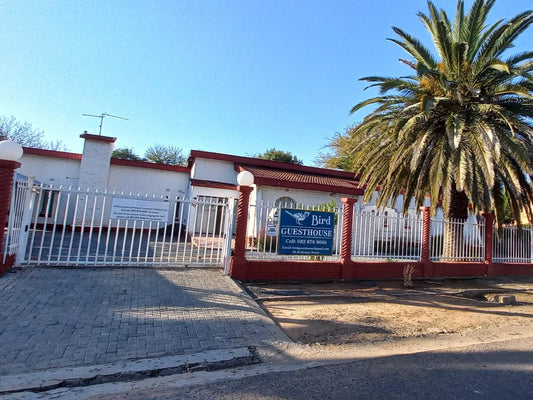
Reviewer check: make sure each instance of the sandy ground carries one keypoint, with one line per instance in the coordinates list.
(338, 313)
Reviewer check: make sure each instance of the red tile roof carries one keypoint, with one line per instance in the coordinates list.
(302, 180)
(287, 175)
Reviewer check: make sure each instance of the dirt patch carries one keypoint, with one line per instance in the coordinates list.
(351, 312)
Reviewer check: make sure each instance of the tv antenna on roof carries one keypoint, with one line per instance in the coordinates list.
(102, 116)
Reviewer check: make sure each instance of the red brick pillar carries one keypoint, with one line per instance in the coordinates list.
(237, 269)
(426, 238)
(489, 224)
(7, 169)
(347, 232)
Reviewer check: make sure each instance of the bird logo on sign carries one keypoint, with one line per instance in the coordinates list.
(299, 217)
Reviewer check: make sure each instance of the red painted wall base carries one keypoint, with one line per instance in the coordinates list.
(10, 261)
(263, 270)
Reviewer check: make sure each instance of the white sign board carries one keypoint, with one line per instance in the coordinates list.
(143, 210)
(272, 229)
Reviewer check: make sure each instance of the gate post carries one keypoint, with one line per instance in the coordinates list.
(237, 268)
(426, 237)
(228, 234)
(10, 152)
(347, 236)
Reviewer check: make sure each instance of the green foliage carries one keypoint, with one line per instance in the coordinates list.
(126, 153)
(459, 128)
(25, 134)
(339, 152)
(170, 155)
(279, 155)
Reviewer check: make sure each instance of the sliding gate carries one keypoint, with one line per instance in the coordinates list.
(72, 227)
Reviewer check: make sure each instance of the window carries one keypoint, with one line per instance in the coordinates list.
(285, 202)
(282, 202)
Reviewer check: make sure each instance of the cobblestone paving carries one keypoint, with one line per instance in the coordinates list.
(72, 317)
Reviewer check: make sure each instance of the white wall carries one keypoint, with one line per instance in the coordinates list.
(146, 180)
(214, 170)
(307, 197)
(51, 170)
(398, 204)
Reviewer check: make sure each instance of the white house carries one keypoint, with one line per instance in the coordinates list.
(199, 197)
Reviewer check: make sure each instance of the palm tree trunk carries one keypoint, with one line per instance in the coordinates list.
(456, 216)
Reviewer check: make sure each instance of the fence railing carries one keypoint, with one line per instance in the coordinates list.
(457, 240)
(512, 245)
(396, 237)
(64, 226)
(69, 226)
(379, 236)
(262, 231)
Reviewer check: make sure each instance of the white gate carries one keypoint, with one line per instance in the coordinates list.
(73, 227)
(16, 212)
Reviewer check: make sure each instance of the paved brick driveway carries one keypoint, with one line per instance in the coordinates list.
(73, 317)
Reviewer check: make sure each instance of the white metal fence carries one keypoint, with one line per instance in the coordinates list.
(64, 226)
(262, 231)
(512, 245)
(380, 236)
(75, 227)
(457, 240)
(16, 212)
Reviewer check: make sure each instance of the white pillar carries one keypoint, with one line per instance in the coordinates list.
(94, 175)
(94, 169)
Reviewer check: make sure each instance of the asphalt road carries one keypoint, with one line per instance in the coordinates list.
(501, 370)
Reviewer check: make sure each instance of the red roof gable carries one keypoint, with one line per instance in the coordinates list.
(287, 175)
(259, 162)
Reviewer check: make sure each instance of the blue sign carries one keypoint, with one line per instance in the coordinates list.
(305, 232)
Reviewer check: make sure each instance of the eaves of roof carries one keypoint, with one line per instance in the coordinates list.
(51, 153)
(145, 164)
(213, 184)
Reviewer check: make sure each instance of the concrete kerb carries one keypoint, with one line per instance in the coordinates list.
(46, 380)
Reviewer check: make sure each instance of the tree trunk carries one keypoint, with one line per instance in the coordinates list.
(455, 218)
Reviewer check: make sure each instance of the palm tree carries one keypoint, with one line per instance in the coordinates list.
(459, 129)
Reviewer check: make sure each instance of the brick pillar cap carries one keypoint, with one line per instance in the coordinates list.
(349, 200)
(8, 164)
(245, 188)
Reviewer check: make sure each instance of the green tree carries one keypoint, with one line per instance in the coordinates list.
(338, 154)
(25, 134)
(126, 153)
(280, 155)
(460, 127)
(161, 154)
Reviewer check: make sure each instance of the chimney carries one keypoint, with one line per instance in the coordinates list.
(94, 169)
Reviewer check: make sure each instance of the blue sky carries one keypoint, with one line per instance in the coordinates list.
(228, 76)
